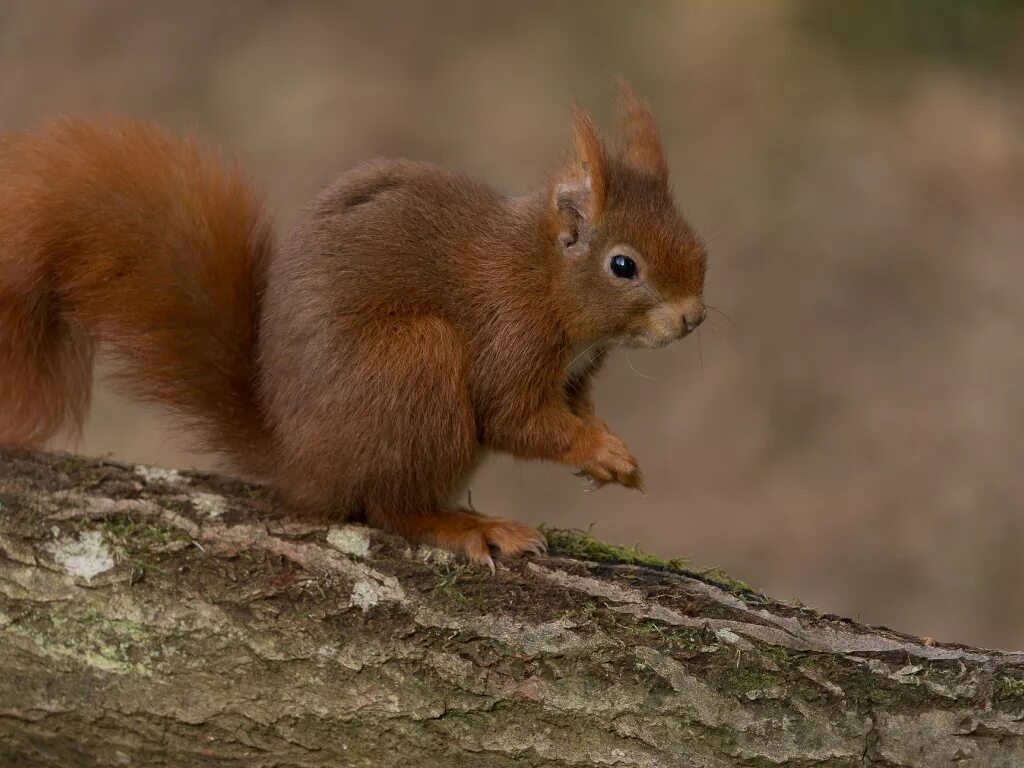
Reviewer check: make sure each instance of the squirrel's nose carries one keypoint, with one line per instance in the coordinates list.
(694, 318)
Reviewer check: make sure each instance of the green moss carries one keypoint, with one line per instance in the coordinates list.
(141, 544)
(137, 538)
(720, 578)
(1010, 687)
(675, 639)
(582, 615)
(869, 688)
(70, 465)
(585, 546)
(746, 680)
(449, 584)
(776, 653)
(644, 632)
(644, 629)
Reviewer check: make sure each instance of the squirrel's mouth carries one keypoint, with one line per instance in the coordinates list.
(667, 322)
(649, 341)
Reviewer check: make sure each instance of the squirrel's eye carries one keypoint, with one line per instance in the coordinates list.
(624, 267)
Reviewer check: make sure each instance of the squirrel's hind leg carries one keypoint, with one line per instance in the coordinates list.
(393, 434)
(420, 440)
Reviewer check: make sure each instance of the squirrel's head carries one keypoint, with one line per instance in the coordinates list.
(632, 268)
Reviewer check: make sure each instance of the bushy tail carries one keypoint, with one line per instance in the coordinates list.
(114, 234)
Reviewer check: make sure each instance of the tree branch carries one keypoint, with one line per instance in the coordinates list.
(150, 617)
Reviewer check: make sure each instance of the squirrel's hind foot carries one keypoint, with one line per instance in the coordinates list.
(467, 533)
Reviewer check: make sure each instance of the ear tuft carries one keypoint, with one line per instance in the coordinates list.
(590, 153)
(579, 188)
(581, 182)
(640, 141)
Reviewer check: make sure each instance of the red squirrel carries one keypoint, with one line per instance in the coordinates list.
(411, 319)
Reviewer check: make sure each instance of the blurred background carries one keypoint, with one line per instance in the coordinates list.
(852, 434)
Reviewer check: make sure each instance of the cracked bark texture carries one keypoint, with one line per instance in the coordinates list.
(151, 617)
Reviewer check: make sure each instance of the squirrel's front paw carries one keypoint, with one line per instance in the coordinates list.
(607, 460)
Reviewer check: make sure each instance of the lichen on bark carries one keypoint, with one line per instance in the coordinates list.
(154, 617)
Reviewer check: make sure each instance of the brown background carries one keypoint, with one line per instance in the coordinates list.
(853, 436)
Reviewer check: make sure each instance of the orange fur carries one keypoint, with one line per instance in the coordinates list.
(410, 319)
(641, 142)
(114, 233)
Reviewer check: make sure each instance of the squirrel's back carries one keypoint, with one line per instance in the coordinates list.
(113, 233)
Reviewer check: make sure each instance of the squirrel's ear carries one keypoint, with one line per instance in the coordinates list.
(579, 188)
(640, 141)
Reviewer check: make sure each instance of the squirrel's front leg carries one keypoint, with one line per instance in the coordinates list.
(579, 390)
(552, 431)
(580, 402)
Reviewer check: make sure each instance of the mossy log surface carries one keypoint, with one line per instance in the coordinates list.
(151, 617)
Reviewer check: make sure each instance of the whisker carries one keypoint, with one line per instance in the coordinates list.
(634, 370)
(581, 354)
(714, 323)
(719, 311)
(720, 307)
(727, 332)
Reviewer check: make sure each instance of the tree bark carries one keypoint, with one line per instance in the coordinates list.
(151, 617)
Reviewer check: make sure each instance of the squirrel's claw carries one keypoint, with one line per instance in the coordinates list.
(539, 547)
(594, 479)
(478, 536)
(590, 483)
(607, 460)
